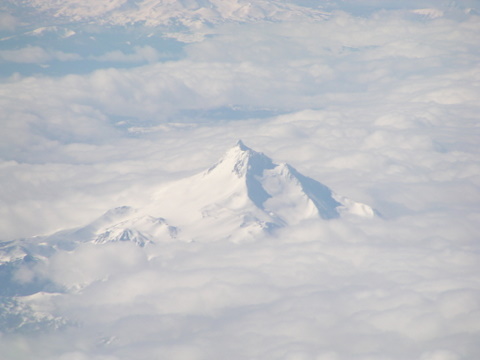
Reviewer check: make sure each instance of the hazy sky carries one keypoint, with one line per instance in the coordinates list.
(376, 99)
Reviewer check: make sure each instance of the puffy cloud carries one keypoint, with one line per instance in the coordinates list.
(248, 67)
(300, 294)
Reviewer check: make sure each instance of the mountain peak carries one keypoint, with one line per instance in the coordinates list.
(242, 161)
(244, 194)
(241, 151)
(241, 146)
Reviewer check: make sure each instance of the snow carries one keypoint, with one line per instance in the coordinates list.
(140, 230)
(246, 189)
(191, 14)
(243, 196)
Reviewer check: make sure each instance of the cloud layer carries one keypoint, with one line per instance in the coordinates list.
(395, 101)
(379, 104)
(301, 295)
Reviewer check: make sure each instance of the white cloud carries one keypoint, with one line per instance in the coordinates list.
(140, 54)
(36, 55)
(301, 293)
(29, 54)
(380, 108)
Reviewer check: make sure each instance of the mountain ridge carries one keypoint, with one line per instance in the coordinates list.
(244, 195)
(190, 14)
(248, 184)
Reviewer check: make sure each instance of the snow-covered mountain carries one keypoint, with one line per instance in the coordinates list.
(189, 13)
(243, 196)
(120, 224)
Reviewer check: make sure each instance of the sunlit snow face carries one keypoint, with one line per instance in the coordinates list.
(377, 101)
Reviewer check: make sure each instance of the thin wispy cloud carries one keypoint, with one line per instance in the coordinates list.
(35, 54)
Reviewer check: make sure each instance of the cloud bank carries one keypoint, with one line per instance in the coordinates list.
(379, 104)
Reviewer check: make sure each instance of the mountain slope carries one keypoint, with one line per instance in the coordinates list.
(119, 224)
(246, 192)
(244, 195)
